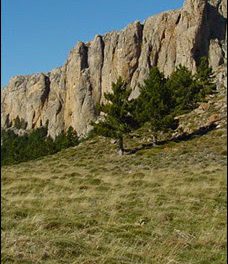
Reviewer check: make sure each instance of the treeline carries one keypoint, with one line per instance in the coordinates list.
(160, 100)
(33, 145)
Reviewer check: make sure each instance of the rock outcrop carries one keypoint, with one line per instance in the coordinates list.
(67, 96)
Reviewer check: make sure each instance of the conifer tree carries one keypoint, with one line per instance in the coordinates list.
(118, 119)
(72, 137)
(17, 122)
(205, 78)
(154, 104)
(184, 89)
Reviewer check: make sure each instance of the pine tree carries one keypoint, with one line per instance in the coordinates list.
(154, 103)
(60, 141)
(184, 89)
(17, 122)
(36, 142)
(205, 78)
(72, 137)
(118, 119)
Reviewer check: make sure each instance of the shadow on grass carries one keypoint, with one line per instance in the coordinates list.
(183, 137)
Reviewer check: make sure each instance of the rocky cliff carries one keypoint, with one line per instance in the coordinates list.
(67, 96)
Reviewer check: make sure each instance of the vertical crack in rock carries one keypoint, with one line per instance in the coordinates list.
(156, 58)
(178, 19)
(44, 96)
(83, 52)
(59, 108)
(216, 23)
(138, 39)
(213, 27)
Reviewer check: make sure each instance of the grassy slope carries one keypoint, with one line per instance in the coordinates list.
(88, 205)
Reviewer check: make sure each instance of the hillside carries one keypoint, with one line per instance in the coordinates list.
(88, 205)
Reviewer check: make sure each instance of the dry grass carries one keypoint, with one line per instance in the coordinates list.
(88, 205)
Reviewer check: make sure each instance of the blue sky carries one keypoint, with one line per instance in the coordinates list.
(37, 35)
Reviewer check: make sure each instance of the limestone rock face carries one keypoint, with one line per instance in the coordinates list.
(67, 96)
(25, 97)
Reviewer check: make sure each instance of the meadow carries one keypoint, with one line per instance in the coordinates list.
(88, 205)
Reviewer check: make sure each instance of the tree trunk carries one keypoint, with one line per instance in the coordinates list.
(155, 139)
(120, 146)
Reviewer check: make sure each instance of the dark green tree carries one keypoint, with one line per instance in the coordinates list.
(17, 122)
(72, 137)
(66, 140)
(118, 119)
(205, 78)
(23, 124)
(184, 89)
(61, 141)
(155, 104)
(8, 139)
(20, 123)
(37, 142)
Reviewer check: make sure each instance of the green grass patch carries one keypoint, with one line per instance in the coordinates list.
(160, 205)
